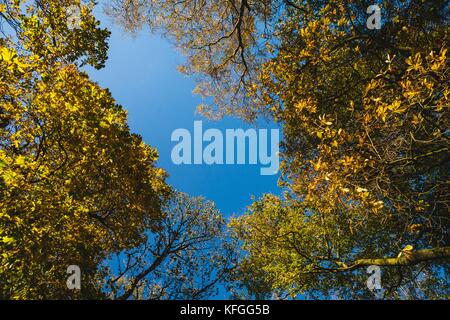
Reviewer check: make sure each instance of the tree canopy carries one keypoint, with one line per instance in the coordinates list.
(76, 186)
(365, 120)
(365, 150)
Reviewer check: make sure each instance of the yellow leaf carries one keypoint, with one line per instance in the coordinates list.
(8, 240)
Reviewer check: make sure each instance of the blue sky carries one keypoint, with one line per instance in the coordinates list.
(141, 74)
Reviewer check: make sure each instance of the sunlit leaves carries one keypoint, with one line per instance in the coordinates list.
(365, 117)
(75, 184)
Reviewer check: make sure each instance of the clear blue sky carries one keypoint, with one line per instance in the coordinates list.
(141, 74)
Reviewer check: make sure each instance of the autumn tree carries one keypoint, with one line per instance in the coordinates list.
(76, 183)
(365, 118)
(188, 255)
(76, 186)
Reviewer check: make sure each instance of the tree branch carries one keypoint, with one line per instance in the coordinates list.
(403, 260)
